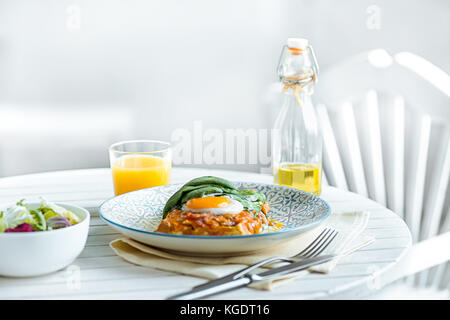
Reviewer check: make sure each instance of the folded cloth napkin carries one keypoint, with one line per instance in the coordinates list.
(350, 226)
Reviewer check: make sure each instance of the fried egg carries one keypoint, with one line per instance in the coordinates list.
(215, 205)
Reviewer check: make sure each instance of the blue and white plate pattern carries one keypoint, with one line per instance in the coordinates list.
(137, 215)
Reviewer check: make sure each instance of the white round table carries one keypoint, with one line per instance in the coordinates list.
(99, 274)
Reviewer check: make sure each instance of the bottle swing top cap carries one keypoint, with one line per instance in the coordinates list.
(300, 76)
(297, 43)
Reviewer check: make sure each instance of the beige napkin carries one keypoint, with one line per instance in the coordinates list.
(350, 226)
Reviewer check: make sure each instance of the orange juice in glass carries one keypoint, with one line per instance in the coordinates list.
(140, 164)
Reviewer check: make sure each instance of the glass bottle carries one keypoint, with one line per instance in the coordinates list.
(297, 142)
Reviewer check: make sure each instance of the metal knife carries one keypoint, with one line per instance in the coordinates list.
(227, 283)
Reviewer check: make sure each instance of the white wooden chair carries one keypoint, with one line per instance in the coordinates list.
(386, 128)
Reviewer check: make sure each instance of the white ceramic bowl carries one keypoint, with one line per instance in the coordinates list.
(25, 254)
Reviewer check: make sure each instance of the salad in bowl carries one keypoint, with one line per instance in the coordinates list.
(48, 216)
(40, 237)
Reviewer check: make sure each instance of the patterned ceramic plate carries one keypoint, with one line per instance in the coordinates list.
(137, 214)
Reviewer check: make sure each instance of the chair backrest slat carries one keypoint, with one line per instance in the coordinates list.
(441, 278)
(368, 123)
(348, 144)
(393, 140)
(324, 179)
(331, 159)
(416, 153)
(438, 182)
(439, 281)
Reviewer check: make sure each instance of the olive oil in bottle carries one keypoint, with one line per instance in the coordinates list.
(306, 177)
(297, 142)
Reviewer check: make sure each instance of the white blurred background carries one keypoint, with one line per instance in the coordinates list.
(76, 76)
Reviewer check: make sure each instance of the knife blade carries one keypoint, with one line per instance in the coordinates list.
(226, 284)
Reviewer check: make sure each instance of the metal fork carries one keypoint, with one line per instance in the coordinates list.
(316, 247)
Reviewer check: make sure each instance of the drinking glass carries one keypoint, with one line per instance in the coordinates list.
(140, 164)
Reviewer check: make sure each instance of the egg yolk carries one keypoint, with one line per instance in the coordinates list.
(208, 202)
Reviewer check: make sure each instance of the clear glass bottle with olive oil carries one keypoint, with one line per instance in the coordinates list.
(297, 142)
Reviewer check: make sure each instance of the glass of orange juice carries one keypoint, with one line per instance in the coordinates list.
(140, 164)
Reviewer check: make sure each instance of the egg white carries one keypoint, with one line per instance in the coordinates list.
(233, 207)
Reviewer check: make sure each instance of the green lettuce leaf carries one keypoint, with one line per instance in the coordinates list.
(16, 215)
(50, 209)
(3, 224)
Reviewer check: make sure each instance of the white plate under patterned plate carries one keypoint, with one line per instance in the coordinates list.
(137, 214)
